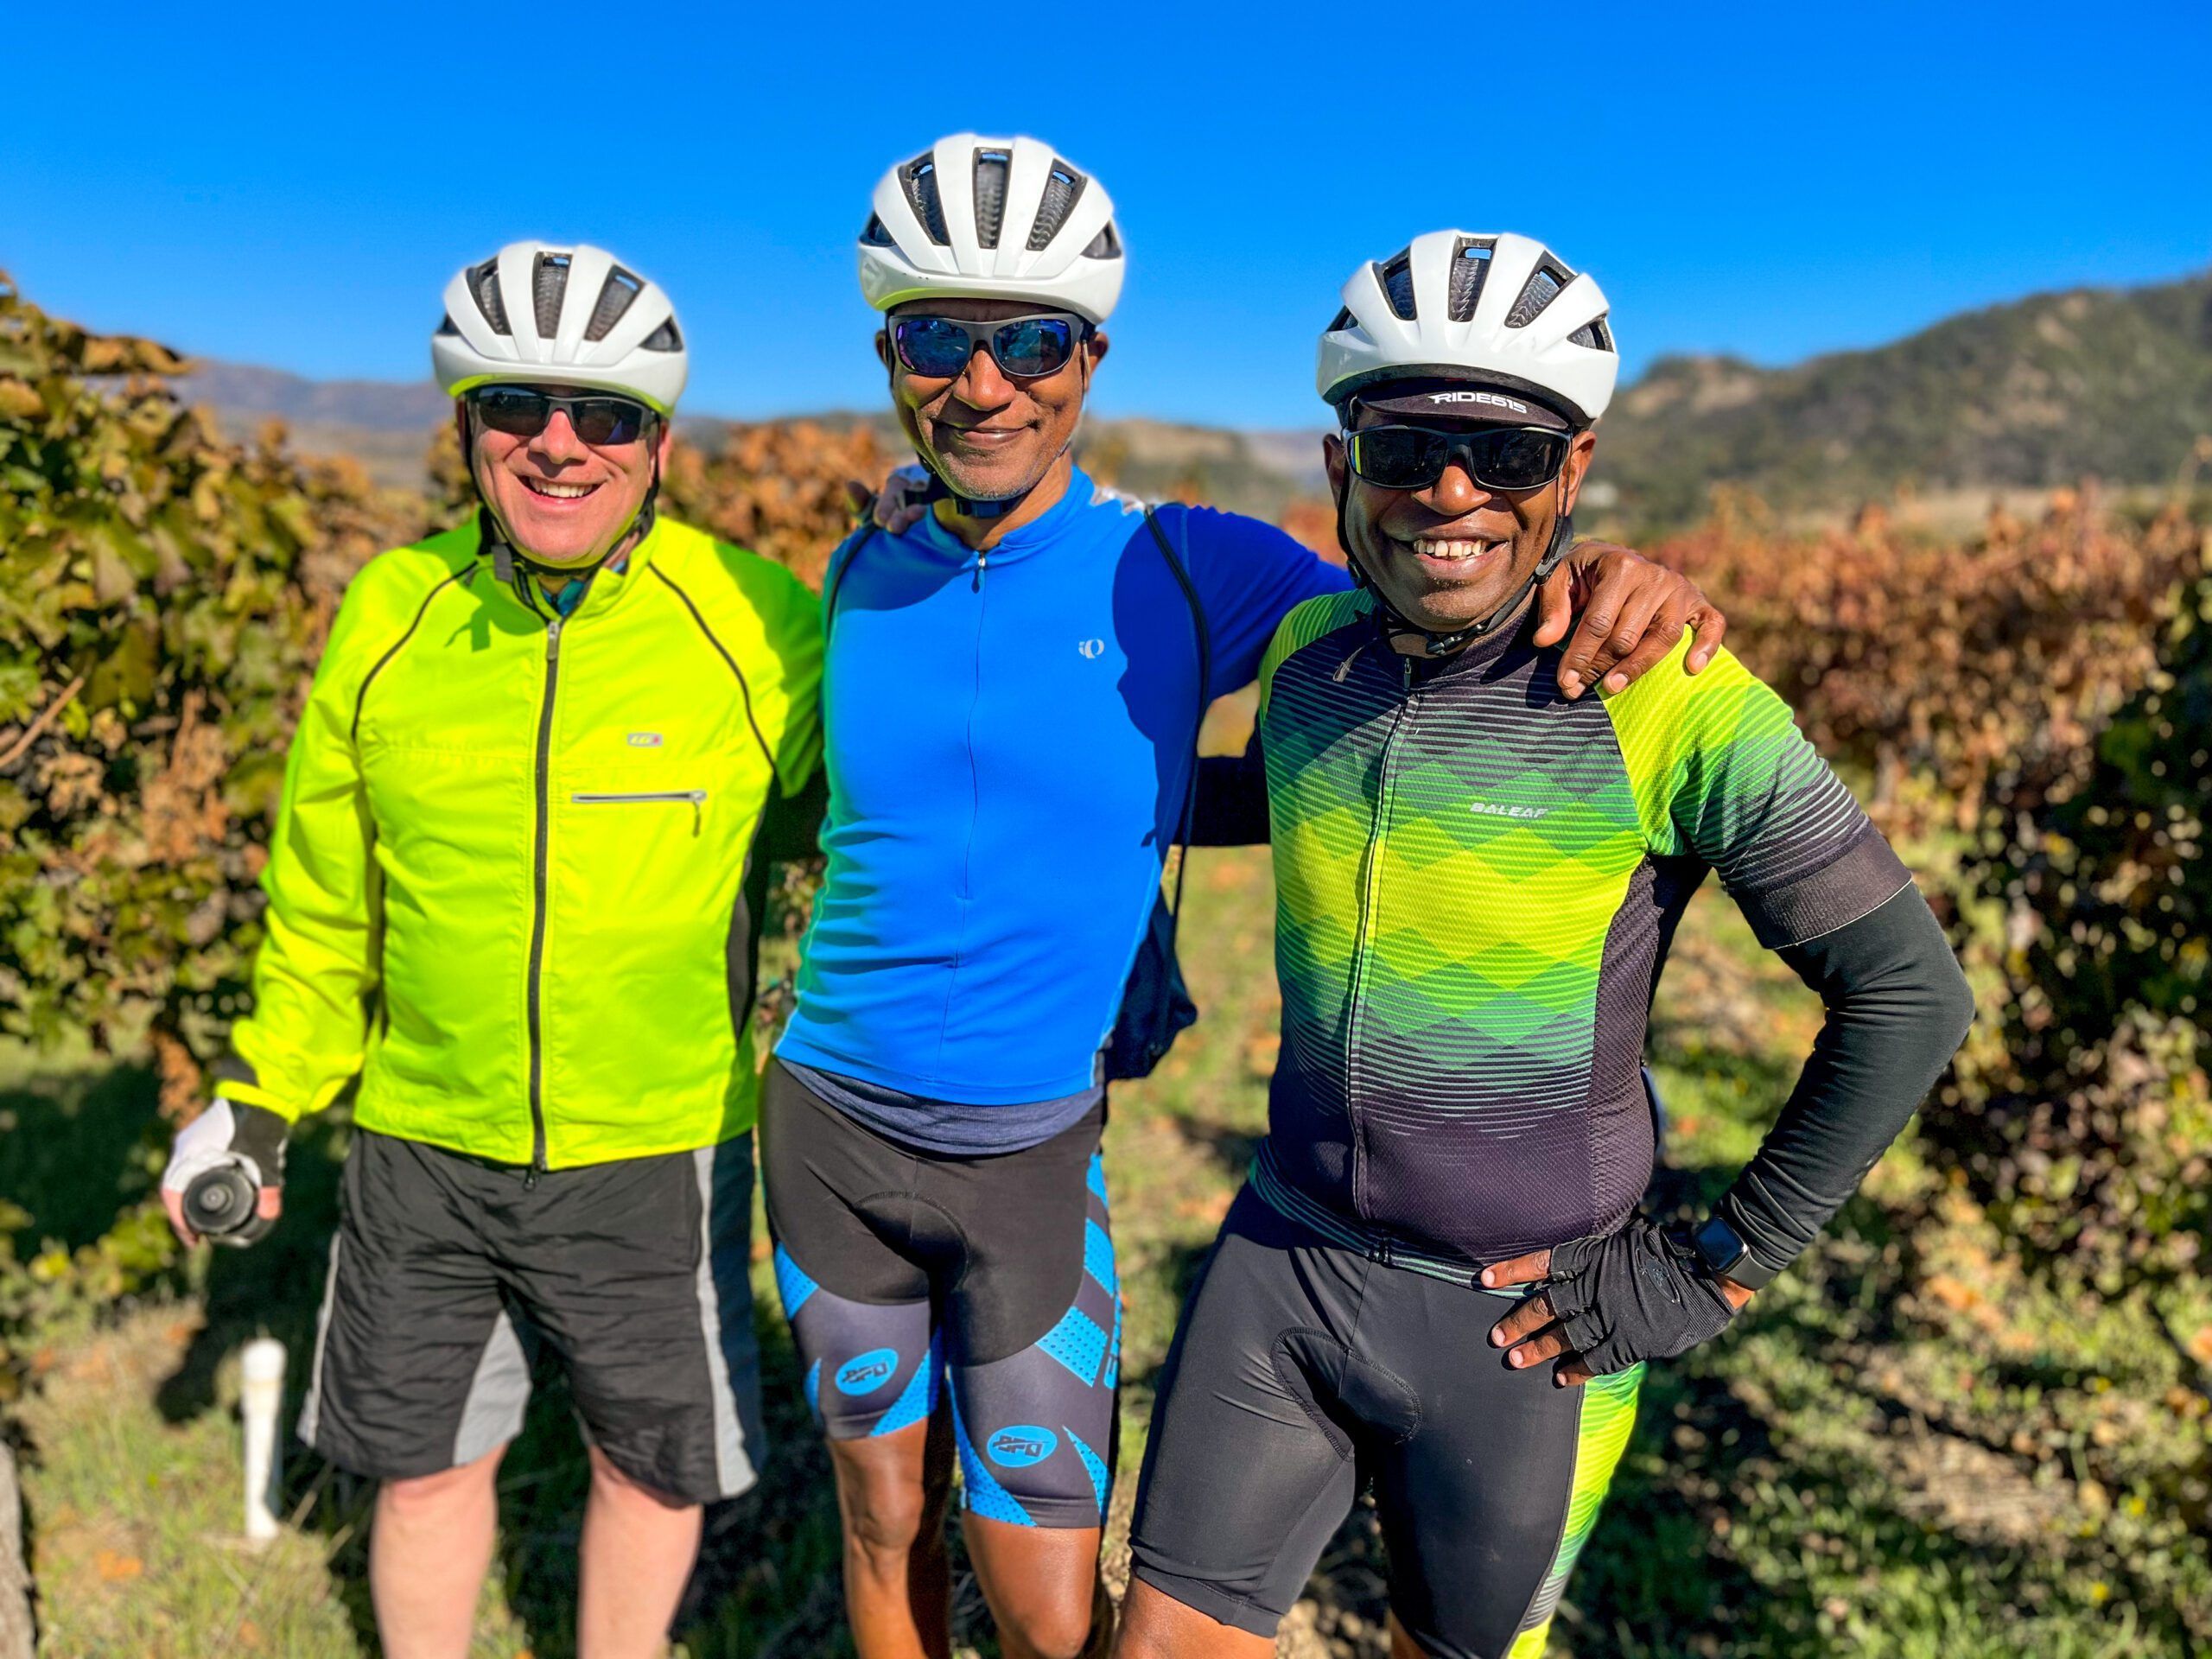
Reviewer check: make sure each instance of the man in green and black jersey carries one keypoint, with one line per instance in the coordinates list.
(1436, 1278)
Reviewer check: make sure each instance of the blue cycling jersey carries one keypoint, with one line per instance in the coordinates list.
(1009, 740)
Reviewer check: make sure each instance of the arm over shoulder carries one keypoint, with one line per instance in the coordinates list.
(1250, 576)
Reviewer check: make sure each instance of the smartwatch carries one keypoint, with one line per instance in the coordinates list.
(1724, 1253)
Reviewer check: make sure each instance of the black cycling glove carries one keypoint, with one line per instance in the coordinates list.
(228, 1134)
(1639, 1294)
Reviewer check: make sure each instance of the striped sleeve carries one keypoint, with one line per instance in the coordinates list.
(1722, 773)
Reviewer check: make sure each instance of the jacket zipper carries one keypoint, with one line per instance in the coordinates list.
(537, 913)
(1370, 886)
(696, 797)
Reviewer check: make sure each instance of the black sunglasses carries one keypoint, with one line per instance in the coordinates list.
(523, 412)
(1496, 457)
(1026, 347)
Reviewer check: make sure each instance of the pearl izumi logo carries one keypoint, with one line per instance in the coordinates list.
(1491, 810)
(1490, 397)
(1090, 650)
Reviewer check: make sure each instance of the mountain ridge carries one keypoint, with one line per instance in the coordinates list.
(2038, 392)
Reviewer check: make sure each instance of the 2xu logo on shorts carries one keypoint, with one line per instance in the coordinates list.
(1022, 1444)
(867, 1373)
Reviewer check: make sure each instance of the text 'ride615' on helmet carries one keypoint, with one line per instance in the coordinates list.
(992, 218)
(541, 315)
(1453, 305)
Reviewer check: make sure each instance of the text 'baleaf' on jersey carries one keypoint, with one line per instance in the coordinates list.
(1009, 742)
(509, 879)
(1477, 881)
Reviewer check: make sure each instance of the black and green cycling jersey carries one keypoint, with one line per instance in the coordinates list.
(1477, 883)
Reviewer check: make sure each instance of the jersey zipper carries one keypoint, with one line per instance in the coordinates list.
(537, 913)
(1362, 954)
(974, 798)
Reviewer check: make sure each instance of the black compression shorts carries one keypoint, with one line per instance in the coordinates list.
(449, 1274)
(1301, 1370)
(897, 1266)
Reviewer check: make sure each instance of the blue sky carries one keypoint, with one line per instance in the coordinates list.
(293, 185)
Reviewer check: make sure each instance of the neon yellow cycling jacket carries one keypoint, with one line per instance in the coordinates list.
(508, 884)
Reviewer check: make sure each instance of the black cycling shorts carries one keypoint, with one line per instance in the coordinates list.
(1302, 1370)
(450, 1273)
(899, 1265)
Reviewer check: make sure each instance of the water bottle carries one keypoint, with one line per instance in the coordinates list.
(224, 1204)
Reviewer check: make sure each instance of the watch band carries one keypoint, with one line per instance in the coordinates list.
(1726, 1254)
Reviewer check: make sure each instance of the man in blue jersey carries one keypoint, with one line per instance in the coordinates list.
(1015, 678)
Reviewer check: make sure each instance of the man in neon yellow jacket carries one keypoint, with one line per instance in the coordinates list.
(515, 886)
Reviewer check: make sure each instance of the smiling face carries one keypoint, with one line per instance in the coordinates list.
(1448, 555)
(989, 434)
(561, 500)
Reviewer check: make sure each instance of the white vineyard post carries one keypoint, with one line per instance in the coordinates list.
(263, 1395)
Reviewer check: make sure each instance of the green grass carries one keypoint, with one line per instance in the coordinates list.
(1907, 1447)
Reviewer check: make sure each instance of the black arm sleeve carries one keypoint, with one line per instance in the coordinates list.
(1899, 1009)
(1231, 809)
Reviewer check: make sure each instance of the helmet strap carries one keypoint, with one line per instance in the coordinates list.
(493, 539)
(642, 525)
(1407, 637)
(969, 507)
(1411, 641)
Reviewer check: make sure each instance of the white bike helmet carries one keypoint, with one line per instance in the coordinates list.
(992, 218)
(563, 316)
(1500, 308)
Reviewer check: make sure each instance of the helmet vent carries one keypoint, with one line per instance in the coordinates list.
(1542, 287)
(1104, 245)
(875, 236)
(1470, 266)
(1594, 334)
(446, 326)
(548, 286)
(990, 194)
(1345, 320)
(1397, 280)
(918, 179)
(484, 284)
(615, 294)
(664, 338)
(1062, 189)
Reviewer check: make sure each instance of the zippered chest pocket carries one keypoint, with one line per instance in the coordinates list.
(695, 799)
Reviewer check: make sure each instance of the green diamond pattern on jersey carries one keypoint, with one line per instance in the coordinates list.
(1476, 882)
